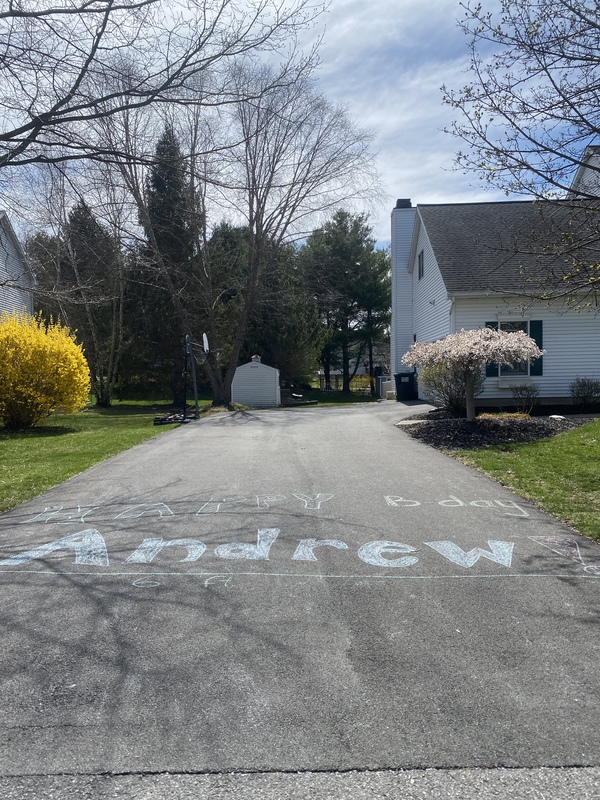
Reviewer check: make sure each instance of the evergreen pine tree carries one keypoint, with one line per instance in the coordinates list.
(168, 202)
(350, 279)
(160, 337)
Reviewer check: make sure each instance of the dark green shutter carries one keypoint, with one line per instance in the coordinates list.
(491, 370)
(535, 331)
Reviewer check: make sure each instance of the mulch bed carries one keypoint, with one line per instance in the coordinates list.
(445, 431)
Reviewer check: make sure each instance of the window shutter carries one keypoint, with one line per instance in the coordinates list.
(535, 331)
(491, 370)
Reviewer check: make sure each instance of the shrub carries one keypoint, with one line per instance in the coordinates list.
(42, 369)
(469, 351)
(525, 396)
(445, 385)
(585, 392)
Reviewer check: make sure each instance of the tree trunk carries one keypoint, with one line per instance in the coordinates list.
(371, 369)
(345, 368)
(470, 396)
(326, 361)
(346, 359)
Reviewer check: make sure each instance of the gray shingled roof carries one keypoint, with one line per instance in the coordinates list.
(496, 247)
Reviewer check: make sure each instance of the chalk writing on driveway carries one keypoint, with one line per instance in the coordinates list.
(88, 548)
(85, 513)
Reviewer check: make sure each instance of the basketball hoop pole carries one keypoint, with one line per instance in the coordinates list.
(185, 366)
(188, 344)
(189, 355)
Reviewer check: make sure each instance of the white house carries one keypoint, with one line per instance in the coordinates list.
(16, 279)
(471, 265)
(586, 182)
(256, 385)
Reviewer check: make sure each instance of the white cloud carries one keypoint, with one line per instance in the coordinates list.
(387, 61)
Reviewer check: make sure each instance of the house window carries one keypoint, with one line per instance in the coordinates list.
(522, 368)
(532, 328)
(421, 264)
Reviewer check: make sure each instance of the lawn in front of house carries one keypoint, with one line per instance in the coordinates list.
(561, 474)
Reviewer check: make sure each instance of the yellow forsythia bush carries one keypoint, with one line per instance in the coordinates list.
(42, 369)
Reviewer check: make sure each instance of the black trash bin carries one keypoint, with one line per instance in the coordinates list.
(406, 386)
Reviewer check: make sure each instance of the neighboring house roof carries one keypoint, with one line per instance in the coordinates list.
(496, 247)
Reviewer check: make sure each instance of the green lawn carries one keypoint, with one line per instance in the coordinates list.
(561, 475)
(66, 444)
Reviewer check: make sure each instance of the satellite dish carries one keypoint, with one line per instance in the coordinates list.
(205, 342)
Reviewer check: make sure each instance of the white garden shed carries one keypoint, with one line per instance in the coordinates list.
(256, 384)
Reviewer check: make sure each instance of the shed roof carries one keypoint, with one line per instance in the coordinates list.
(256, 365)
(501, 247)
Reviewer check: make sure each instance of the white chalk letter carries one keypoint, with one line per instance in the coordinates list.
(304, 551)
(501, 553)
(253, 552)
(150, 548)
(568, 548)
(226, 579)
(373, 553)
(510, 504)
(89, 547)
(267, 500)
(214, 506)
(146, 508)
(313, 503)
(57, 516)
(454, 501)
(400, 502)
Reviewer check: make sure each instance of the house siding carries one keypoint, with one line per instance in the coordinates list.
(431, 306)
(256, 385)
(15, 277)
(571, 342)
(587, 178)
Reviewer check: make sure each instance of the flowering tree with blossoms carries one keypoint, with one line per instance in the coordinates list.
(469, 351)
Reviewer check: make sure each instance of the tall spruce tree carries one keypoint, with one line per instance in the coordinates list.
(350, 279)
(167, 198)
(163, 279)
(374, 301)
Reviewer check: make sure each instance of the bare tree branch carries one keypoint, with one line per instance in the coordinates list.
(532, 105)
(63, 67)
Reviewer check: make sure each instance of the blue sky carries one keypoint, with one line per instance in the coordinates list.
(386, 60)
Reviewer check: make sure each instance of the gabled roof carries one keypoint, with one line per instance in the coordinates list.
(497, 247)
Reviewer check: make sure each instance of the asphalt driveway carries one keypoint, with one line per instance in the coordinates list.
(286, 591)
